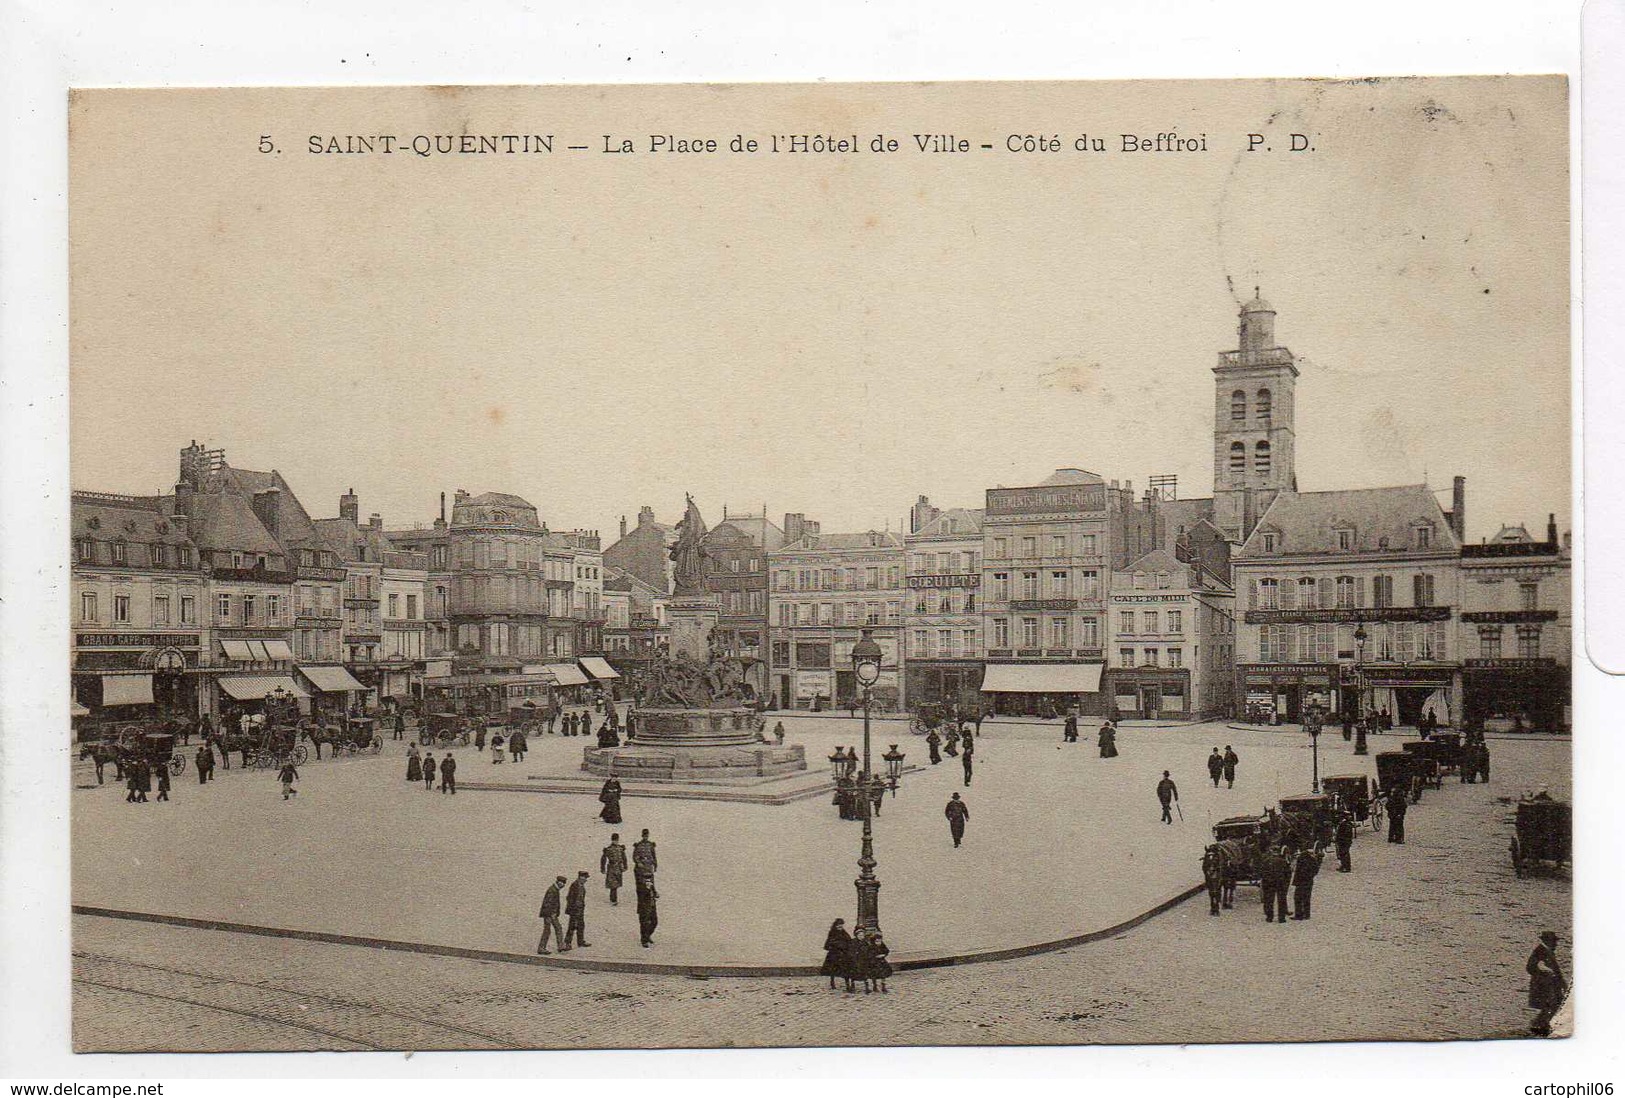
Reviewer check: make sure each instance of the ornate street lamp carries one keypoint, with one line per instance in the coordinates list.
(1360, 637)
(1311, 725)
(894, 767)
(837, 764)
(866, 657)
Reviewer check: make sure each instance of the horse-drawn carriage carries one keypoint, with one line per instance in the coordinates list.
(345, 736)
(1543, 832)
(1352, 794)
(446, 729)
(150, 742)
(1427, 758)
(930, 717)
(272, 745)
(1400, 770)
(1235, 856)
(1309, 819)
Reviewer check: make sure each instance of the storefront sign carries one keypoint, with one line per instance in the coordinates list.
(1043, 604)
(1509, 617)
(137, 640)
(1025, 501)
(944, 581)
(1531, 663)
(1369, 614)
(1148, 598)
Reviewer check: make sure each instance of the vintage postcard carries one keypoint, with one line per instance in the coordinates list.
(760, 565)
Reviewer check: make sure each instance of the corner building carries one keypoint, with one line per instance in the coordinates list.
(942, 609)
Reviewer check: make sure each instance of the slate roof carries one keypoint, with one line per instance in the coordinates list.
(962, 520)
(134, 518)
(755, 528)
(294, 525)
(1070, 476)
(816, 543)
(1383, 520)
(226, 520)
(343, 536)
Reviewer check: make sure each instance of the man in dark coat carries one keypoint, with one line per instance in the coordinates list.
(1273, 873)
(1230, 761)
(957, 812)
(399, 724)
(1069, 731)
(648, 914)
(205, 763)
(644, 862)
(612, 864)
(1215, 767)
(448, 774)
(1167, 793)
(1397, 804)
(933, 743)
(575, 906)
(1344, 837)
(163, 783)
(550, 917)
(1303, 882)
(965, 758)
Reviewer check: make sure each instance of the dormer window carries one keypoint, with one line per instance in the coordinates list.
(120, 553)
(1271, 542)
(1424, 537)
(1345, 540)
(499, 516)
(85, 548)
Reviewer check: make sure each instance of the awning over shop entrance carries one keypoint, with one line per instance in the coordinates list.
(1041, 678)
(331, 680)
(126, 689)
(237, 650)
(599, 668)
(278, 650)
(255, 687)
(77, 710)
(567, 674)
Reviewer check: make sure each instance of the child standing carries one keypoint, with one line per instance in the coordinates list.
(288, 775)
(428, 771)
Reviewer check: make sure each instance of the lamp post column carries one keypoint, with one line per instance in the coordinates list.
(868, 884)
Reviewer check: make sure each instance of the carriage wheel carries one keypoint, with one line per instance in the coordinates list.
(377, 744)
(917, 726)
(300, 755)
(1374, 812)
(177, 764)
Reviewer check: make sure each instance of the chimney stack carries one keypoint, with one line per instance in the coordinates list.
(350, 506)
(376, 521)
(1458, 508)
(646, 515)
(265, 507)
(795, 528)
(1551, 531)
(623, 526)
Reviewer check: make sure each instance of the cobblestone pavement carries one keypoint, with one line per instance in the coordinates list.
(1422, 941)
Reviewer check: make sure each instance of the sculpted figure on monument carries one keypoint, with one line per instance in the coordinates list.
(688, 553)
(683, 683)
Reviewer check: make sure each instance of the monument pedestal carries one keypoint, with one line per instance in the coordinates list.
(695, 745)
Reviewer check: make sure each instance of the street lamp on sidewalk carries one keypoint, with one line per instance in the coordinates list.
(866, 656)
(1360, 637)
(894, 767)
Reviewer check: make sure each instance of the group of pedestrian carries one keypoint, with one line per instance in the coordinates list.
(571, 899)
(1223, 766)
(1281, 867)
(854, 957)
(426, 769)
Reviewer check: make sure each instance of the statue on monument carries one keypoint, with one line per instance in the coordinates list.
(688, 553)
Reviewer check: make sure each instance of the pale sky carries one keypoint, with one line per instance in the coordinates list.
(828, 333)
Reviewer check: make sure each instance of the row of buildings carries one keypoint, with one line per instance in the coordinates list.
(203, 600)
(1079, 592)
(1070, 592)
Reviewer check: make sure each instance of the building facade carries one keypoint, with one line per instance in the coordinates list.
(942, 610)
(1516, 631)
(139, 599)
(1172, 626)
(587, 590)
(1322, 567)
(1049, 551)
(827, 588)
(736, 554)
(642, 551)
(1254, 434)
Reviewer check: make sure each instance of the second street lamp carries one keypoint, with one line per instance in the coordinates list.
(894, 767)
(1360, 637)
(866, 656)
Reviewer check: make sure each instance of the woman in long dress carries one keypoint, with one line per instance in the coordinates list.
(610, 797)
(837, 946)
(414, 764)
(1108, 741)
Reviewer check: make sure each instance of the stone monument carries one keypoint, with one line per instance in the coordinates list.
(701, 711)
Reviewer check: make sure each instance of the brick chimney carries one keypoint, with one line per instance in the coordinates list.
(623, 526)
(1458, 508)
(1551, 531)
(350, 506)
(376, 521)
(646, 515)
(265, 504)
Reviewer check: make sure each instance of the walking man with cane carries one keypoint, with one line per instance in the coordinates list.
(1168, 794)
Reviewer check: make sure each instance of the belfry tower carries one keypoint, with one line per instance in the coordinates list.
(1253, 438)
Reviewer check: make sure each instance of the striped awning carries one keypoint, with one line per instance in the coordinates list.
(278, 650)
(567, 674)
(255, 687)
(237, 650)
(331, 680)
(1041, 678)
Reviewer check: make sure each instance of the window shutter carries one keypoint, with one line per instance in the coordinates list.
(1327, 596)
(1289, 595)
(1359, 591)
(1252, 595)
(1417, 591)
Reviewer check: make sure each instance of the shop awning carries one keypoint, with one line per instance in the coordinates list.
(278, 650)
(77, 710)
(126, 689)
(567, 674)
(237, 650)
(257, 648)
(437, 669)
(1041, 678)
(599, 668)
(255, 687)
(331, 680)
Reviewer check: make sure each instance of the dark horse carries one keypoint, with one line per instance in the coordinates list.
(103, 753)
(1223, 864)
